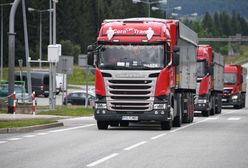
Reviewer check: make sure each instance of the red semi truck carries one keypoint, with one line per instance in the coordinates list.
(145, 71)
(210, 82)
(234, 86)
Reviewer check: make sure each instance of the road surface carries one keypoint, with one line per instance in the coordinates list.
(216, 141)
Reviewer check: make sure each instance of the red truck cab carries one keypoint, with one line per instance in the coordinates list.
(234, 86)
(139, 76)
(210, 68)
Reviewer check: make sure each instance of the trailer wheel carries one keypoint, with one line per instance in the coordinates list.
(166, 125)
(102, 125)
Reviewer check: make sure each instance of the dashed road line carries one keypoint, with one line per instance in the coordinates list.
(2, 142)
(102, 160)
(158, 136)
(28, 136)
(42, 133)
(14, 139)
(72, 128)
(135, 145)
(234, 118)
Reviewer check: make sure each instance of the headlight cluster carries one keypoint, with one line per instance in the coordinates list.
(234, 97)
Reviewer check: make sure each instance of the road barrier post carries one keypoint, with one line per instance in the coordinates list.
(33, 103)
(14, 103)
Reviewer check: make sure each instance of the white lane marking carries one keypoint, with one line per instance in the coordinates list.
(72, 128)
(42, 133)
(234, 118)
(1, 142)
(158, 136)
(175, 130)
(28, 136)
(212, 118)
(14, 139)
(80, 118)
(135, 145)
(102, 160)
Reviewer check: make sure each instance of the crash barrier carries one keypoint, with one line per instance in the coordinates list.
(4, 103)
(21, 104)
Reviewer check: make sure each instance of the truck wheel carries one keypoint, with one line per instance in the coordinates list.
(191, 117)
(206, 113)
(124, 123)
(213, 104)
(166, 125)
(102, 125)
(178, 107)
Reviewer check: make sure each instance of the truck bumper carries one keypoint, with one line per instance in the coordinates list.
(154, 115)
(201, 106)
(227, 100)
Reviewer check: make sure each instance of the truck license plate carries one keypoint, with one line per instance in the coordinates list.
(130, 118)
(224, 100)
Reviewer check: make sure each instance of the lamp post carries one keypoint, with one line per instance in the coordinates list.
(165, 10)
(187, 15)
(40, 13)
(2, 5)
(149, 3)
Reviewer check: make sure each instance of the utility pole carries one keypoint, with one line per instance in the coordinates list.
(12, 53)
(29, 84)
(2, 5)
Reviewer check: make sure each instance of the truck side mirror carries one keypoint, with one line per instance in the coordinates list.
(211, 70)
(175, 59)
(90, 55)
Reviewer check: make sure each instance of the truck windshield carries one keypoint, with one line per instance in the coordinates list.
(131, 57)
(201, 69)
(230, 78)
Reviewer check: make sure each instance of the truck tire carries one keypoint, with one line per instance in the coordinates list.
(188, 103)
(178, 106)
(219, 105)
(166, 125)
(213, 104)
(102, 125)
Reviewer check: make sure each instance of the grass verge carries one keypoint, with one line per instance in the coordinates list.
(23, 123)
(75, 111)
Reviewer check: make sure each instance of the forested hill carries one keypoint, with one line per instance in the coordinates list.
(202, 6)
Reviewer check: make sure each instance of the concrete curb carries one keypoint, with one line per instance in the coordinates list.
(30, 128)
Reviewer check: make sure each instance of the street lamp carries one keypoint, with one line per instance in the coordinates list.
(2, 5)
(165, 10)
(187, 15)
(40, 13)
(149, 3)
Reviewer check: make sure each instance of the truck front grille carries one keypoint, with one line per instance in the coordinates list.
(130, 95)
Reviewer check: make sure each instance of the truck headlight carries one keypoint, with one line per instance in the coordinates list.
(235, 97)
(100, 106)
(159, 106)
(202, 101)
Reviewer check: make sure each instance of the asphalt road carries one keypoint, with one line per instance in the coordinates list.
(219, 141)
